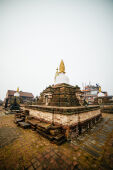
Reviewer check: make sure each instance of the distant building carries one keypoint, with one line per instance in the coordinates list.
(25, 96)
(105, 100)
(1, 102)
(91, 92)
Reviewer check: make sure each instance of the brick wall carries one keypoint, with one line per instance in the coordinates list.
(62, 119)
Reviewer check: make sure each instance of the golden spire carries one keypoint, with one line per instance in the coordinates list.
(62, 67)
(18, 89)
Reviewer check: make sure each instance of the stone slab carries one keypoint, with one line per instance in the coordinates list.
(24, 125)
(17, 120)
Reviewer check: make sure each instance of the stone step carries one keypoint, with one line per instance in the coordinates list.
(30, 117)
(17, 120)
(20, 115)
(24, 125)
(43, 125)
(58, 137)
(16, 111)
(60, 141)
(51, 132)
(48, 136)
(42, 129)
(33, 122)
(55, 127)
(46, 128)
(54, 132)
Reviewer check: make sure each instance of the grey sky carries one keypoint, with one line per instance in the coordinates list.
(36, 35)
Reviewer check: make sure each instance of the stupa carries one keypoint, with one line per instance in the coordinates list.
(62, 105)
(61, 93)
(14, 105)
(60, 77)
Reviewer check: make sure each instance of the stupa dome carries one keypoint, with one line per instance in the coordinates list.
(60, 77)
(101, 94)
(17, 93)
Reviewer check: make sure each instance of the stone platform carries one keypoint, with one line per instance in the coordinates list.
(71, 119)
(107, 109)
(65, 116)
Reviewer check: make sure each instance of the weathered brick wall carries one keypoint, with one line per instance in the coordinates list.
(61, 95)
(64, 120)
(41, 115)
(88, 115)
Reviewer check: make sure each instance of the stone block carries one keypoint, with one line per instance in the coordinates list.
(24, 125)
(17, 120)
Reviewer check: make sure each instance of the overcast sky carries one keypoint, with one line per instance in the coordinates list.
(36, 34)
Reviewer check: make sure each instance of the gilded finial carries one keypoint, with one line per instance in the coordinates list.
(62, 67)
(18, 89)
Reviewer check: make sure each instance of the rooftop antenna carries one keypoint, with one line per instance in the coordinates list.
(83, 86)
(89, 83)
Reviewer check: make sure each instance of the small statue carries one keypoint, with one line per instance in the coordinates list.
(6, 103)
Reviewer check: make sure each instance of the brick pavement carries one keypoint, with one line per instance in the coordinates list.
(8, 135)
(29, 150)
(96, 146)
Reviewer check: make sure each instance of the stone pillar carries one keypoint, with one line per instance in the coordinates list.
(91, 123)
(77, 132)
(87, 126)
(94, 121)
(80, 129)
(97, 118)
(67, 134)
(100, 116)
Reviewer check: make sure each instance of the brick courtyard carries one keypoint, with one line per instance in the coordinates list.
(26, 149)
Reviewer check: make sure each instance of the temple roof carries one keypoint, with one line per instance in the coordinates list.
(22, 94)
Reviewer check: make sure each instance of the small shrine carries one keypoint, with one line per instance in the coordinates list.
(15, 102)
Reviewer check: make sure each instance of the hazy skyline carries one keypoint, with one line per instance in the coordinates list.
(36, 34)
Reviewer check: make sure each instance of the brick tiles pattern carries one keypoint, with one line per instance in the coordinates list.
(26, 149)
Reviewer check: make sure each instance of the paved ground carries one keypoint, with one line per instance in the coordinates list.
(26, 149)
(95, 144)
